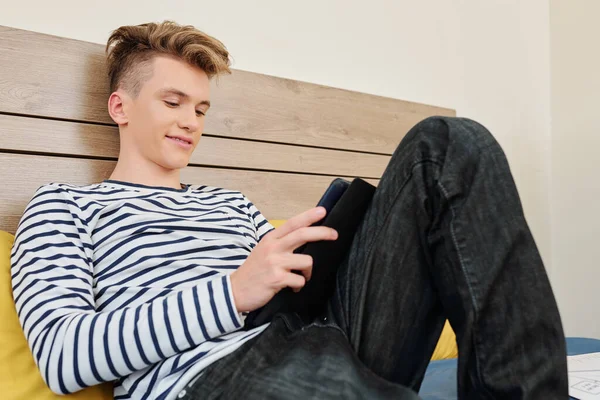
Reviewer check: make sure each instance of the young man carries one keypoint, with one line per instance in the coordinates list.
(145, 281)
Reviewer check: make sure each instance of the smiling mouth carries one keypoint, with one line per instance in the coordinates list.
(180, 142)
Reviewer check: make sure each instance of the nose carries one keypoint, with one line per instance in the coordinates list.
(189, 121)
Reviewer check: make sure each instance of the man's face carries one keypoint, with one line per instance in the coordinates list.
(172, 103)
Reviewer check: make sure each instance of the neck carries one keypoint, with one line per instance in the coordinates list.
(145, 172)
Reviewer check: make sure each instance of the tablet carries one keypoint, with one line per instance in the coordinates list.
(331, 196)
(329, 199)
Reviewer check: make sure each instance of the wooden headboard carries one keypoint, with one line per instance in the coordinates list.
(279, 141)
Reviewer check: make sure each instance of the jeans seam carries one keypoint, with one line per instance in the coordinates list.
(400, 189)
(455, 241)
(369, 250)
(471, 292)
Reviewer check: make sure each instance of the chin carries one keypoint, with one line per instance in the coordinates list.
(173, 164)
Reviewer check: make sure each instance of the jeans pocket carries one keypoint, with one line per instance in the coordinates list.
(293, 322)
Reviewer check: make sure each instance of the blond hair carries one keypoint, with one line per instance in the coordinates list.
(131, 49)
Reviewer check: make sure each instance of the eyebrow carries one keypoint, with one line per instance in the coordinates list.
(181, 94)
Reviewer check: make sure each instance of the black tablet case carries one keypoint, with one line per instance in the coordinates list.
(310, 301)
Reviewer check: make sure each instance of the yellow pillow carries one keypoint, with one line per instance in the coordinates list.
(446, 346)
(19, 376)
(277, 222)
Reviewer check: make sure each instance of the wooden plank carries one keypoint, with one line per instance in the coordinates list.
(52, 76)
(263, 107)
(71, 84)
(277, 195)
(72, 138)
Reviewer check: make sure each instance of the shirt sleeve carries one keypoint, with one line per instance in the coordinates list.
(73, 345)
(261, 224)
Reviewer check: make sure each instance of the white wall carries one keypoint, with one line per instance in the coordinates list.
(489, 60)
(575, 66)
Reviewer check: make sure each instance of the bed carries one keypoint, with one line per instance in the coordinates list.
(286, 137)
(440, 378)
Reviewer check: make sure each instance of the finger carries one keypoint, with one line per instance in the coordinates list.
(299, 262)
(295, 281)
(304, 235)
(306, 218)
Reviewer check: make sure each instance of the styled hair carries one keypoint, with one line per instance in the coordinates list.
(131, 49)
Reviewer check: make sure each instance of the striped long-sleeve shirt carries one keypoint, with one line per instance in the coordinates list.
(129, 283)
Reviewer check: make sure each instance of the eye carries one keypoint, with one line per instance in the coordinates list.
(170, 104)
(200, 113)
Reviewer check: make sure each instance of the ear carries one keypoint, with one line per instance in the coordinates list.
(117, 107)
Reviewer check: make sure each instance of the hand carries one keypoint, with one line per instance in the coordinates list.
(268, 268)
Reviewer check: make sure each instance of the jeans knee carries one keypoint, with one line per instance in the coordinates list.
(436, 138)
(477, 133)
(462, 132)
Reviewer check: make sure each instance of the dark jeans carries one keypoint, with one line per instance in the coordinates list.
(444, 237)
